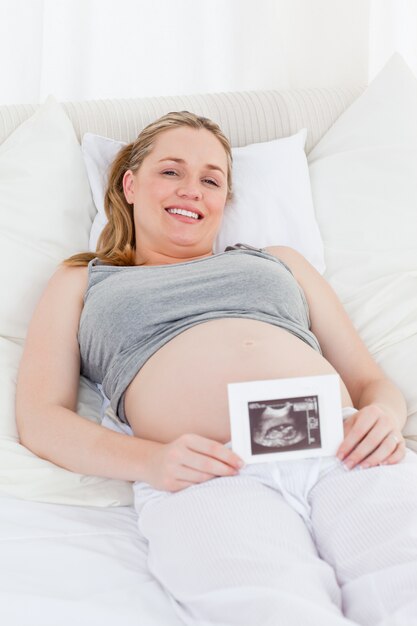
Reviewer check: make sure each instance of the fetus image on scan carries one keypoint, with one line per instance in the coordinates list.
(285, 424)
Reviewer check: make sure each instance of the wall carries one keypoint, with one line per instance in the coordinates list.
(81, 49)
(393, 28)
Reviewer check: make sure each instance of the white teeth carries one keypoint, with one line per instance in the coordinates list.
(184, 212)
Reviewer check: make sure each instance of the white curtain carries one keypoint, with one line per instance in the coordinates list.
(393, 28)
(89, 49)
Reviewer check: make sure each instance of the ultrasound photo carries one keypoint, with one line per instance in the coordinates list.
(286, 418)
(284, 424)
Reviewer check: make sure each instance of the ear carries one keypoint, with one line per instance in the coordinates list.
(129, 186)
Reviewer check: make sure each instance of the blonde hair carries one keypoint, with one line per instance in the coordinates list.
(116, 244)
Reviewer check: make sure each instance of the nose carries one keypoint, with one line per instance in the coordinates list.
(189, 190)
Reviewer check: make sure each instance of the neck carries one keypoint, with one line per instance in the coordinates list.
(157, 257)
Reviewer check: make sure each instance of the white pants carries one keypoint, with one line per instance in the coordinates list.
(288, 543)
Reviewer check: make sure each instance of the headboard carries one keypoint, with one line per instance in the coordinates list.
(245, 117)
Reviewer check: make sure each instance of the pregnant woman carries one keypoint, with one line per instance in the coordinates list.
(164, 325)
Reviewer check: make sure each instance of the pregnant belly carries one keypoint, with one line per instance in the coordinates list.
(182, 388)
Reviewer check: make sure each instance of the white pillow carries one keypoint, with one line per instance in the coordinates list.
(272, 202)
(46, 212)
(364, 181)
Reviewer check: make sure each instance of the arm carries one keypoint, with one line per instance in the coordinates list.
(46, 401)
(47, 389)
(373, 435)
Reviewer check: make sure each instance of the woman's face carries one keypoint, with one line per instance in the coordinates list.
(185, 171)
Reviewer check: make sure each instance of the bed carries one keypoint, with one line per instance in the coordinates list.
(339, 165)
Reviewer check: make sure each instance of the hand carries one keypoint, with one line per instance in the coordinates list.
(371, 438)
(188, 460)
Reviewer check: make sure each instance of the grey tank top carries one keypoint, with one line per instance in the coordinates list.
(131, 311)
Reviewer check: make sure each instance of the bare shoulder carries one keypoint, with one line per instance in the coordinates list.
(69, 281)
(297, 263)
(71, 275)
(62, 299)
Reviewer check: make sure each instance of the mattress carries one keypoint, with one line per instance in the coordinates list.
(64, 565)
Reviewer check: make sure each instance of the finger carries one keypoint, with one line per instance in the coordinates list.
(192, 476)
(347, 426)
(195, 477)
(397, 455)
(207, 465)
(371, 444)
(180, 485)
(387, 447)
(214, 449)
(356, 434)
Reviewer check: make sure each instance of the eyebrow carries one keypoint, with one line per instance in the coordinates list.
(208, 165)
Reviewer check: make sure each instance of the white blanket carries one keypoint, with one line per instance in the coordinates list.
(65, 565)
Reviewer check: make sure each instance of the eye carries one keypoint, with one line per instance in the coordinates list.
(170, 172)
(211, 182)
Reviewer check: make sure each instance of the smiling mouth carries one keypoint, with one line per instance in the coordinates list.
(183, 215)
(192, 215)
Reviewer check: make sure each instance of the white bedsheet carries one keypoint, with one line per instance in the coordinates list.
(65, 566)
